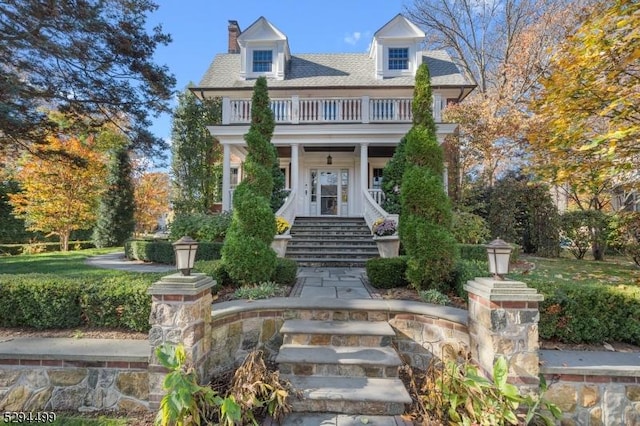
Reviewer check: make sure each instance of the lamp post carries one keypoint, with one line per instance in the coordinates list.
(185, 249)
(499, 253)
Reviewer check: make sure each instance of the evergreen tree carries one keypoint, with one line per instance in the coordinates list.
(247, 252)
(392, 179)
(195, 155)
(425, 220)
(117, 206)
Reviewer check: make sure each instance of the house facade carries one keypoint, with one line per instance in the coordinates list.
(339, 116)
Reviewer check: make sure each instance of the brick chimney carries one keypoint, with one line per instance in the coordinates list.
(234, 32)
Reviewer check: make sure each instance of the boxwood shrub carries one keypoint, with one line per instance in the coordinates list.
(161, 251)
(589, 313)
(387, 272)
(45, 301)
(43, 247)
(286, 271)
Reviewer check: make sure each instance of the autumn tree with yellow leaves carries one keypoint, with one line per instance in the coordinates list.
(61, 185)
(586, 138)
(152, 190)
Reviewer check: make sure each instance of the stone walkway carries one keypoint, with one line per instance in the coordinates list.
(121, 263)
(341, 283)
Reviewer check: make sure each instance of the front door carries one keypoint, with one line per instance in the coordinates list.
(329, 192)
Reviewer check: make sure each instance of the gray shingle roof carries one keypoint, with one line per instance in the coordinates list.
(332, 70)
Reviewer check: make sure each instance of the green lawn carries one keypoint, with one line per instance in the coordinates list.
(612, 271)
(69, 263)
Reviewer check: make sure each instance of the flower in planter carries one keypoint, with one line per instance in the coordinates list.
(383, 227)
(282, 225)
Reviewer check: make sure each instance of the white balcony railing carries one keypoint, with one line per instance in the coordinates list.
(377, 195)
(295, 110)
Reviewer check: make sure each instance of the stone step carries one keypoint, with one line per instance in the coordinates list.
(331, 232)
(337, 333)
(349, 395)
(341, 262)
(351, 361)
(325, 419)
(339, 219)
(305, 252)
(337, 241)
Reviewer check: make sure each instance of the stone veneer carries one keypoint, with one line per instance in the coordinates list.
(62, 384)
(180, 313)
(421, 330)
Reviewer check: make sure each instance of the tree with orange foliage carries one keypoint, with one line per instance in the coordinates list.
(61, 184)
(152, 200)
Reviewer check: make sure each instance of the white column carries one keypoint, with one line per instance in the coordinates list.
(226, 110)
(364, 166)
(226, 177)
(294, 167)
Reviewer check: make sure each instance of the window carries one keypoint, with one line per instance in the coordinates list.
(377, 178)
(234, 177)
(262, 60)
(398, 58)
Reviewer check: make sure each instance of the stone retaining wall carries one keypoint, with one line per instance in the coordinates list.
(58, 385)
(238, 328)
(595, 399)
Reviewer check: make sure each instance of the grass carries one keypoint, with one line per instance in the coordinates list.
(614, 270)
(68, 264)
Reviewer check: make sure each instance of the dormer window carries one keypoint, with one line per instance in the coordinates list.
(398, 58)
(262, 60)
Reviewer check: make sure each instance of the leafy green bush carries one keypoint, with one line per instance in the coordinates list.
(589, 313)
(118, 302)
(40, 301)
(469, 228)
(216, 269)
(286, 271)
(582, 230)
(433, 296)
(42, 247)
(625, 235)
(200, 227)
(161, 251)
(467, 270)
(261, 291)
(44, 301)
(387, 272)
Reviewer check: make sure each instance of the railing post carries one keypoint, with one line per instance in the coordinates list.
(226, 110)
(366, 114)
(295, 109)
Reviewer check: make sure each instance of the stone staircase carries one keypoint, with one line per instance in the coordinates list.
(331, 241)
(346, 367)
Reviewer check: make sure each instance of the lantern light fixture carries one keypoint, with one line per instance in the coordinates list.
(185, 250)
(499, 253)
(329, 159)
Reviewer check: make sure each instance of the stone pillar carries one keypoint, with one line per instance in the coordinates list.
(226, 178)
(503, 321)
(180, 313)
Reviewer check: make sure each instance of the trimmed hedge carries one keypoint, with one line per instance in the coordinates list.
(16, 249)
(479, 252)
(387, 272)
(589, 313)
(161, 251)
(285, 272)
(45, 301)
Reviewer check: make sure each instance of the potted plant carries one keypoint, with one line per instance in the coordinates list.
(386, 238)
(279, 244)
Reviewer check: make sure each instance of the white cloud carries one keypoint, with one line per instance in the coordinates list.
(353, 38)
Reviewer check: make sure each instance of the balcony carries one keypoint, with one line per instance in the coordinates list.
(295, 110)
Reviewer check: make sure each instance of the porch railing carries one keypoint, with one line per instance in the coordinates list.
(377, 195)
(297, 110)
(288, 209)
(372, 211)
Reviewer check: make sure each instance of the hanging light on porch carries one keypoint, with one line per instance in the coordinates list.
(329, 159)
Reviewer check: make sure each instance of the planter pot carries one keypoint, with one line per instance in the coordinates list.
(388, 246)
(279, 244)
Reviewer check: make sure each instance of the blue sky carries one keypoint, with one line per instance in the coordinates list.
(199, 30)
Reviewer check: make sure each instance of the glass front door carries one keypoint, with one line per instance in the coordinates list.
(329, 195)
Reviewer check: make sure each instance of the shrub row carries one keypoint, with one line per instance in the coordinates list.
(32, 248)
(45, 301)
(284, 274)
(390, 272)
(161, 251)
(589, 313)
